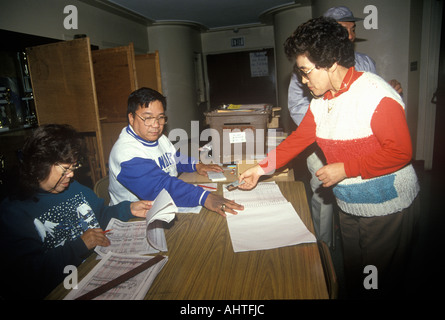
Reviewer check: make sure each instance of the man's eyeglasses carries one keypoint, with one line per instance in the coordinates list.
(304, 74)
(149, 121)
(66, 171)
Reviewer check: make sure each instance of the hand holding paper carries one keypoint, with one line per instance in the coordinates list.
(142, 237)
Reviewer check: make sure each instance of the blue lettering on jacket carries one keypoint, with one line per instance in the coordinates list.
(165, 160)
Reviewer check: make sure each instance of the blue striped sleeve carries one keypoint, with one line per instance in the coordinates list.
(145, 179)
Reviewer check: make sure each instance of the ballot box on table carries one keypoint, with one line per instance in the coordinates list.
(238, 132)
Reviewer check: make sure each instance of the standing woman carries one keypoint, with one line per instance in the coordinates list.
(358, 120)
(53, 221)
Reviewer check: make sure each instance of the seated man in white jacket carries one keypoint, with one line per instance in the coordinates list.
(143, 161)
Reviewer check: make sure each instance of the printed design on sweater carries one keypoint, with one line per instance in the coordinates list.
(345, 150)
(345, 134)
(65, 221)
(377, 190)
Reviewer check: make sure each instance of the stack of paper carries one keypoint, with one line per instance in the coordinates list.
(216, 176)
(141, 237)
(268, 220)
(112, 266)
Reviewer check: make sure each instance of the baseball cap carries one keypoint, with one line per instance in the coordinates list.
(340, 14)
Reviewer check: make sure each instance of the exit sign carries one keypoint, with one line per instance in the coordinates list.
(237, 42)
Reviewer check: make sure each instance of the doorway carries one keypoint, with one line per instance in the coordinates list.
(439, 100)
(246, 77)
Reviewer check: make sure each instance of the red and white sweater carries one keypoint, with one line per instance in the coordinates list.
(366, 130)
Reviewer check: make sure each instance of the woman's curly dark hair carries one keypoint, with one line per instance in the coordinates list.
(49, 144)
(323, 41)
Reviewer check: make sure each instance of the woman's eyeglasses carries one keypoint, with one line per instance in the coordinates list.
(65, 172)
(72, 168)
(304, 74)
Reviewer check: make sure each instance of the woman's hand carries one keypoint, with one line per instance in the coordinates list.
(95, 237)
(250, 177)
(140, 208)
(331, 174)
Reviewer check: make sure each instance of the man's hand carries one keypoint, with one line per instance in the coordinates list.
(222, 205)
(396, 85)
(202, 168)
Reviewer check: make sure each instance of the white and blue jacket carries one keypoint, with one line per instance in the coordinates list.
(140, 169)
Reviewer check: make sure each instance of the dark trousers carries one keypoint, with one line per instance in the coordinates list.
(384, 243)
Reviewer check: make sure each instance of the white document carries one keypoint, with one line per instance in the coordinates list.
(141, 237)
(126, 238)
(268, 220)
(196, 209)
(216, 176)
(112, 266)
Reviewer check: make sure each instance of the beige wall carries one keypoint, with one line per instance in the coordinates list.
(255, 38)
(45, 18)
(285, 22)
(393, 46)
(177, 44)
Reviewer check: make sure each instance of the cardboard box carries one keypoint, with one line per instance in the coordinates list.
(239, 134)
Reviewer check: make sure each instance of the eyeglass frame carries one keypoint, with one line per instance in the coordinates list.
(66, 171)
(304, 74)
(153, 119)
(72, 168)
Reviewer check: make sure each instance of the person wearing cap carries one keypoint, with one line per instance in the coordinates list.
(298, 103)
(346, 18)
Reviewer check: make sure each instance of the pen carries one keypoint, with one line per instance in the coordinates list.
(234, 185)
(106, 231)
(202, 186)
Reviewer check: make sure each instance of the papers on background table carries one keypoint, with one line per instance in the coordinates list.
(112, 266)
(216, 176)
(141, 237)
(268, 220)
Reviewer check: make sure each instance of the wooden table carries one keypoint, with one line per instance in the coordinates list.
(202, 264)
(193, 177)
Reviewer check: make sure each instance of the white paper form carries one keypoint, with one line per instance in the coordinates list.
(265, 193)
(163, 209)
(126, 238)
(112, 266)
(268, 220)
(141, 237)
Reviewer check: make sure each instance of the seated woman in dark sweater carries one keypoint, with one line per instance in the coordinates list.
(53, 221)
